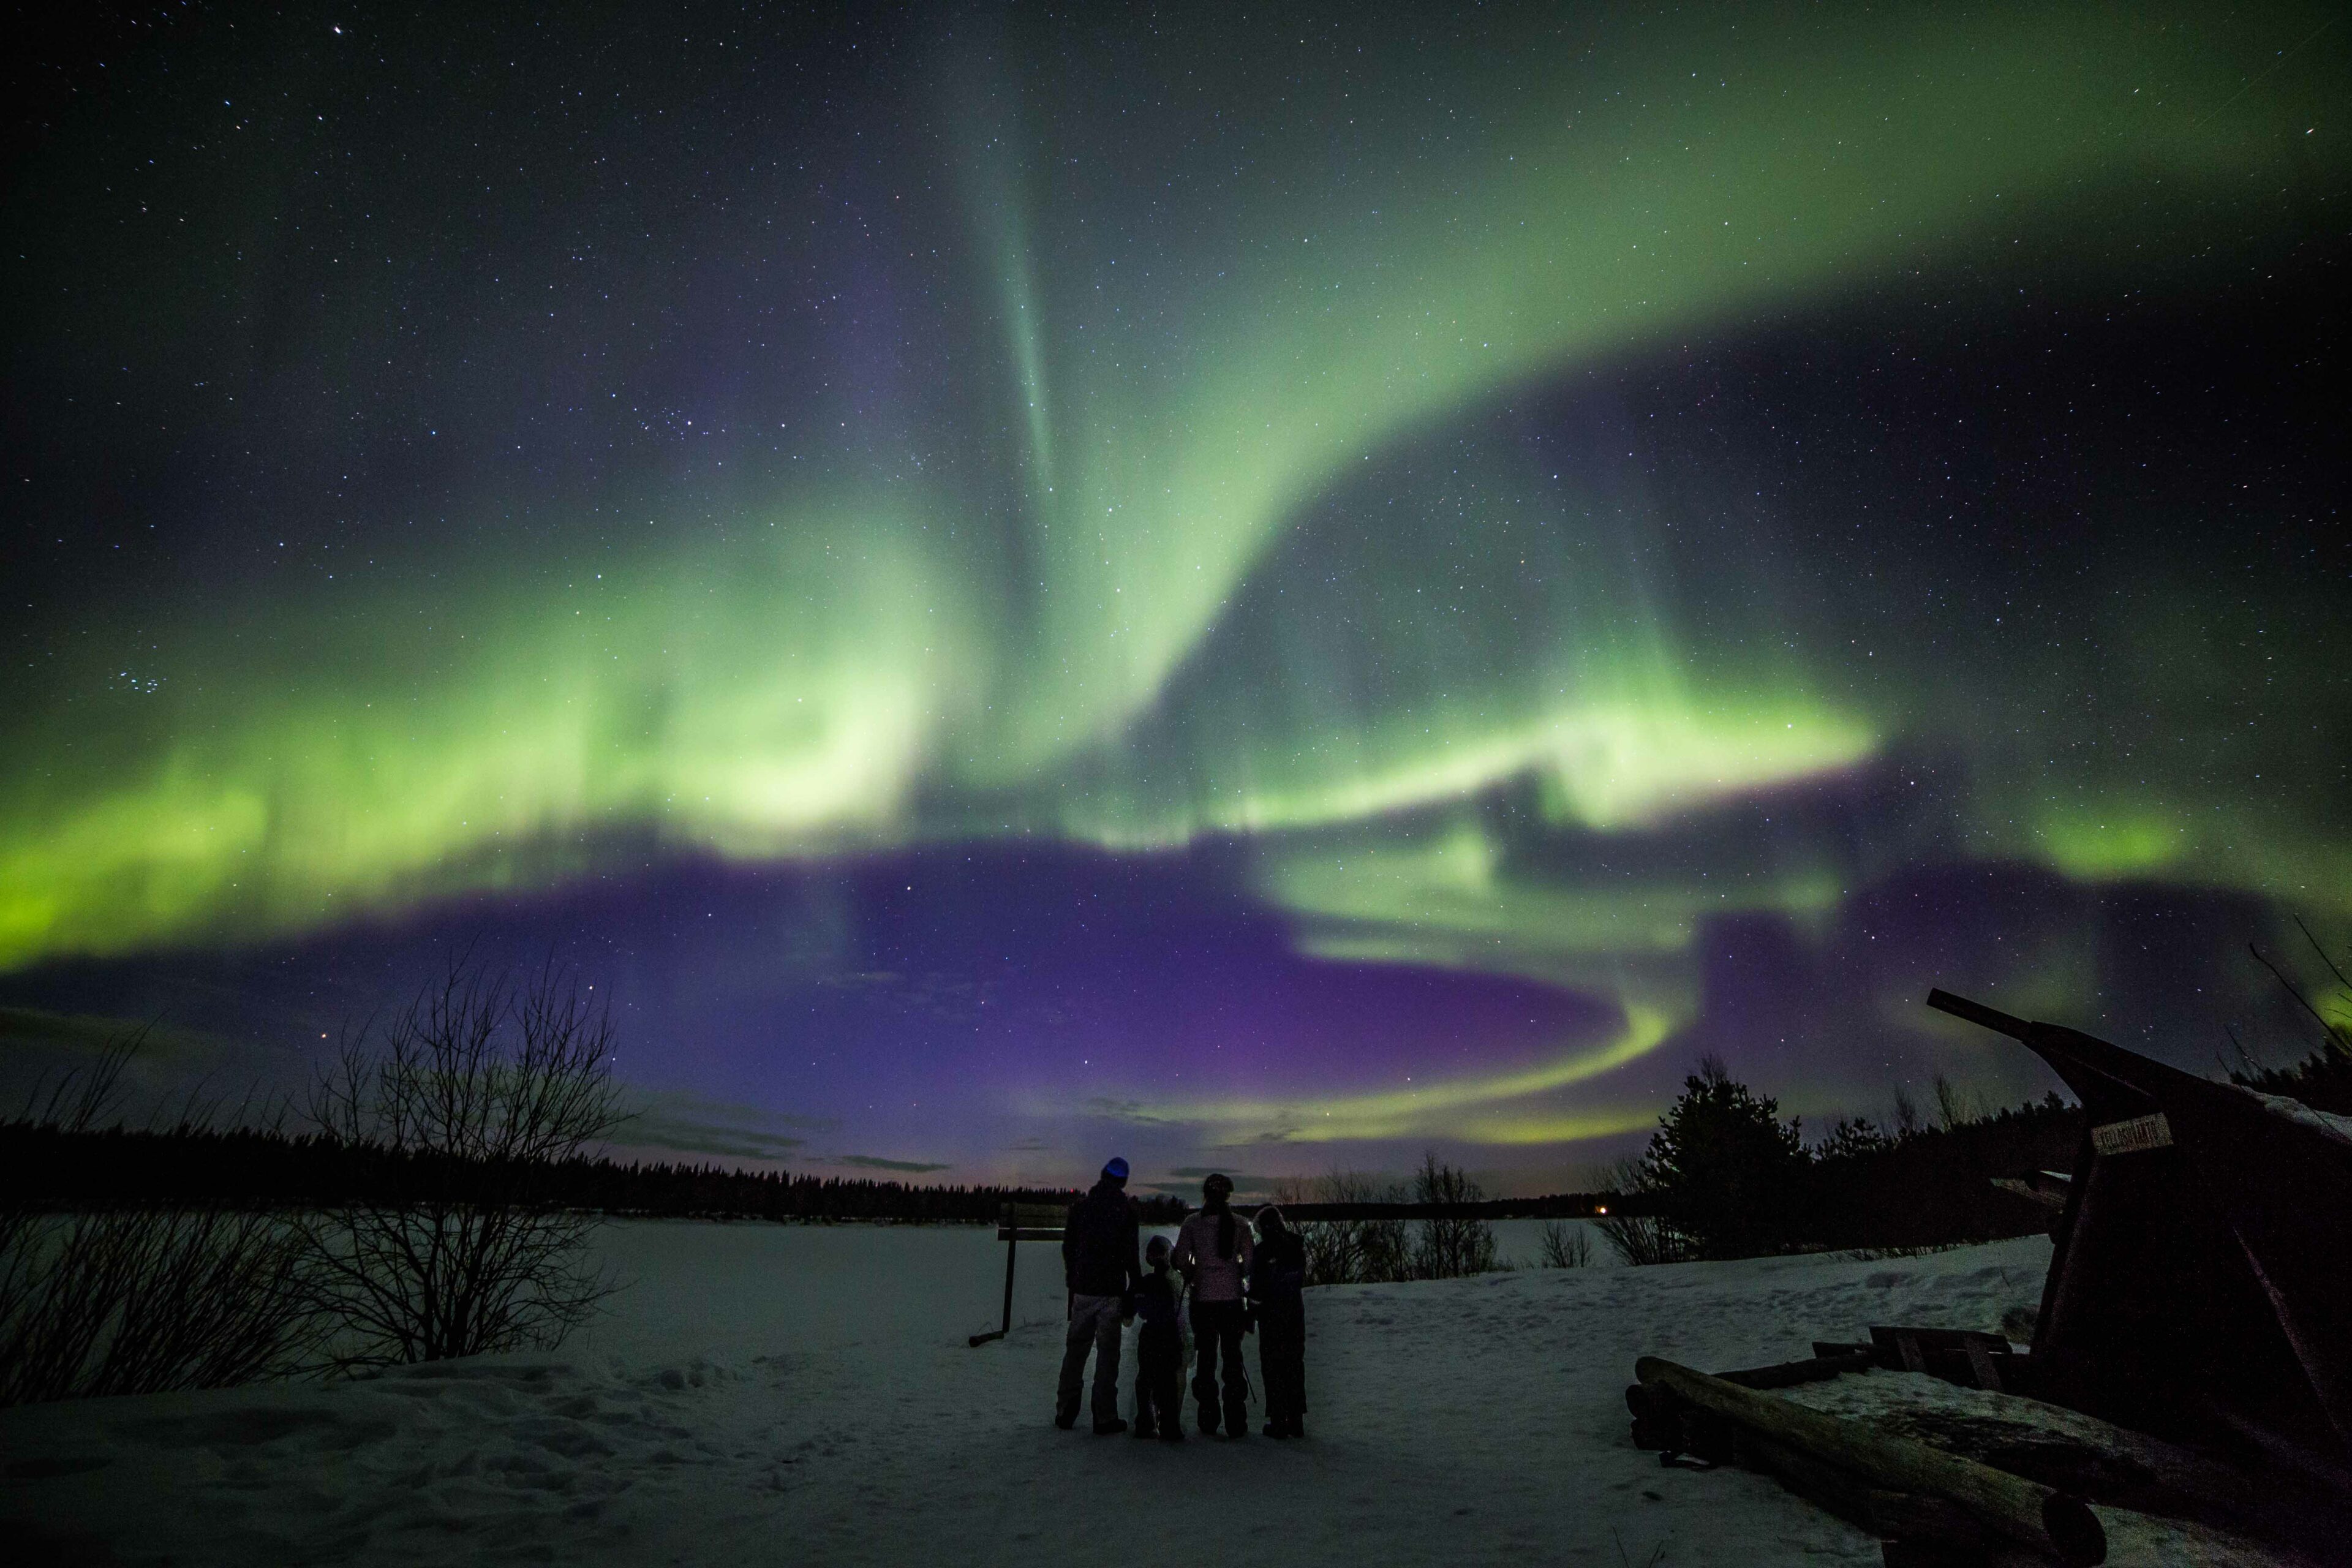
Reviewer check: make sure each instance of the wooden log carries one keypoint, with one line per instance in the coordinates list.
(1789, 1373)
(1923, 1551)
(1902, 1516)
(1915, 1532)
(2052, 1198)
(2041, 1518)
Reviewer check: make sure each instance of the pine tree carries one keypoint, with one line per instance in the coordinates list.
(1728, 1172)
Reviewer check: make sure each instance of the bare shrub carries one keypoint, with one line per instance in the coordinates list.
(480, 1088)
(148, 1299)
(1564, 1246)
(2322, 1079)
(1642, 1239)
(1384, 1247)
(1955, 1106)
(1350, 1251)
(1369, 1251)
(1453, 1246)
(1330, 1244)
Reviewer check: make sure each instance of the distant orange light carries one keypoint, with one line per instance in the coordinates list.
(1602, 1208)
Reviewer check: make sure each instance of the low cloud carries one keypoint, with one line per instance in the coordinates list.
(688, 1125)
(1242, 1182)
(161, 1071)
(876, 1163)
(715, 1141)
(1127, 1110)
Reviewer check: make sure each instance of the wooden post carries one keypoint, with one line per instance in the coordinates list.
(1012, 1251)
(1007, 1226)
(2012, 1507)
(1018, 1222)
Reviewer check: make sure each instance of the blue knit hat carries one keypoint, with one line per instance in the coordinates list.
(1118, 1168)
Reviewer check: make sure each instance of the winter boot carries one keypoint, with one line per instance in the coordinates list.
(1110, 1428)
(1208, 1420)
(1236, 1420)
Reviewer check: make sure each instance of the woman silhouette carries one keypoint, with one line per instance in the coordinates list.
(1213, 1253)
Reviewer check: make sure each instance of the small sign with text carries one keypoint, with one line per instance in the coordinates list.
(2132, 1136)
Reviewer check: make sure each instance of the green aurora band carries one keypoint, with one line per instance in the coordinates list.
(841, 668)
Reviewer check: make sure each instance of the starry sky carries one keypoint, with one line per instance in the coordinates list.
(1267, 591)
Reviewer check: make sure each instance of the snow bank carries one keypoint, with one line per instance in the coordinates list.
(806, 1393)
(2324, 1123)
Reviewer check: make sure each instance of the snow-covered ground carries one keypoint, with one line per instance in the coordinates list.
(804, 1394)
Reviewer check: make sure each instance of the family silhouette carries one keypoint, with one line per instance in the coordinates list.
(1223, 1279)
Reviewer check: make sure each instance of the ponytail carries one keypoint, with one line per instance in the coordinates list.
(1219, 1205)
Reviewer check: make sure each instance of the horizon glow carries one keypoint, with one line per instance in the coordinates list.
(1098, 461)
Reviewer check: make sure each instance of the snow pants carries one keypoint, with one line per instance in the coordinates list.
(1094, 1325)
(1159, 1376)
(1282, 1360)
(1217, 1335)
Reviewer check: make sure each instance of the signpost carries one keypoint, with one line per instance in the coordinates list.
(1016, 1224)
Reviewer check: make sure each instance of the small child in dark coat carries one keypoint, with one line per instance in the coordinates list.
(1158, 1350)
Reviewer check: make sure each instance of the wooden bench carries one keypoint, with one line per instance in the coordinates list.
(1964, 1356)
(1017, 1223)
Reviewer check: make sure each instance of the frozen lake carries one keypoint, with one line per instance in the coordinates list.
(804, 1394)
(802, 1276)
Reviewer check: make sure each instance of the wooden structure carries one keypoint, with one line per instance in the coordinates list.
(1017, 1223)
(2199, 1291)
(1901, 1490)
(2201, 1286)
(2047, 1188)
(1962, 1356)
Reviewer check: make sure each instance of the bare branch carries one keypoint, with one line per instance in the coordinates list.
(480, 1087)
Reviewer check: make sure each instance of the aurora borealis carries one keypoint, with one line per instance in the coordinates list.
(1262, 591)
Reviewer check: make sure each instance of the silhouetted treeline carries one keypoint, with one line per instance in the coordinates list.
(1725, 1177)
(1933, 1186)
(2321, 1081)
(260, 1170)
(1554, 1206)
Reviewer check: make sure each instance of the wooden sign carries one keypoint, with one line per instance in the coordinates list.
(2132, 1136)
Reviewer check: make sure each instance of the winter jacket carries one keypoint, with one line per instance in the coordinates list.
(1278, 1270)
(1213, 1278)
(1155, 1303)
(1100, 1254)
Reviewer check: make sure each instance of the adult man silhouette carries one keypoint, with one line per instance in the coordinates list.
(1101, 1268)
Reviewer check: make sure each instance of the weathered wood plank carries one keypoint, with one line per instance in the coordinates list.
(2041, 1518)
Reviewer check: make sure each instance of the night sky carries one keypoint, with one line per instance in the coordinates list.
(1263, 592)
